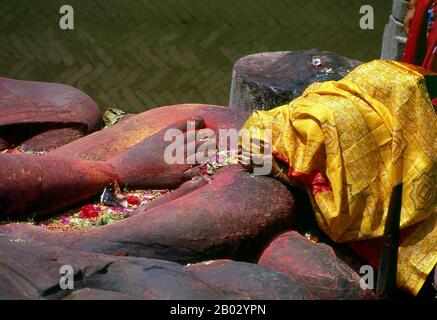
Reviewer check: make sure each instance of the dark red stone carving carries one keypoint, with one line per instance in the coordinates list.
(315, 266)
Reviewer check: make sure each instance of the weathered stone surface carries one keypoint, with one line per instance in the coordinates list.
(394, 38)
(131, 130)
(315, 266)
(258, 284)
(32, 271)
(263, 81)
(38, 185)
(233, 216)
(155, 279)
(184, 189)
(57, 113)
(95, 294)
(399, 9)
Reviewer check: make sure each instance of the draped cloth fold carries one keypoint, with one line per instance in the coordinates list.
(350, 142)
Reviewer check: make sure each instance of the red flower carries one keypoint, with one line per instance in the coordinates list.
(89, 212)
(134, 201)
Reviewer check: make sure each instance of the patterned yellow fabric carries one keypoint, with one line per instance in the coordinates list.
(350, 141)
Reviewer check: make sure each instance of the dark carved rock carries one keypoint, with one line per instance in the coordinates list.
(233, 216)
(157, 279)
(315, 266)
(3, 143)
(258, 284)
(39, 185)
(41, 116)
(184, 189)
(115, 140)
(263, 81)
(32, 271)
(96, 294)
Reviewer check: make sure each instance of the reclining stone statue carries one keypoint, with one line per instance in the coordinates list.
(346, 142)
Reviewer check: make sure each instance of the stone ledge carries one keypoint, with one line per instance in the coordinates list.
(266, 80)
(399, 10)
(394, 40)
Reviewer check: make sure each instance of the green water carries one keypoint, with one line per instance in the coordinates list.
(139, 54)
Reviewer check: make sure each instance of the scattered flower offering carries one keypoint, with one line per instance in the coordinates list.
(98, 214)
(90, 211)
(313, 238)
(133, 200)
(112, 115)
(115, 205)
(222, 159)
(19, 150)
(316, 61)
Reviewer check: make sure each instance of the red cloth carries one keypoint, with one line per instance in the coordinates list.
(421, 47)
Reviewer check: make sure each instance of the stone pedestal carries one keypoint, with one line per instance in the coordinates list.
(266, 80)
(394, 39)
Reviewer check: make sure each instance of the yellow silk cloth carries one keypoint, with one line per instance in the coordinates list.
(361, 136)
